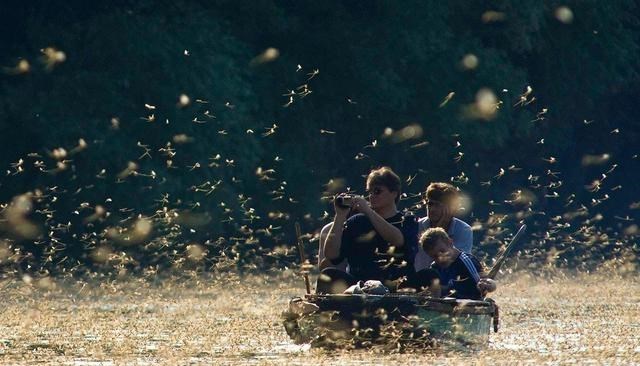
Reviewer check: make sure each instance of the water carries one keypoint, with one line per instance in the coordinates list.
(586, 320)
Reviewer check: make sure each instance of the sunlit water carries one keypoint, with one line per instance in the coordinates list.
(585, 320)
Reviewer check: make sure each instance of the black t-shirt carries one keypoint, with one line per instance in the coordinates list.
(369, 255)
(461, 277)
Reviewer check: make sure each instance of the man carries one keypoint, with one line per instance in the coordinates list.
(442, 200)
(378, 243)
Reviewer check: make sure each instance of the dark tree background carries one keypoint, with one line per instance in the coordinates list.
(196, 132)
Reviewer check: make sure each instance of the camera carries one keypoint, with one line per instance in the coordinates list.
(344, 200)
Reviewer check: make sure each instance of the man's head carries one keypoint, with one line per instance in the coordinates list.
(383, 187)
(437, 244)
(442, 201)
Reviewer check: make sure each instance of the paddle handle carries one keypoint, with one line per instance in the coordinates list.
(496, 267)
(307, 284)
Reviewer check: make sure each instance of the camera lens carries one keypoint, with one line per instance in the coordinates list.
(343, 201)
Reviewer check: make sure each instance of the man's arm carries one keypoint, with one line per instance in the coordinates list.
(334, 238)
(323, 238)
(387, 231)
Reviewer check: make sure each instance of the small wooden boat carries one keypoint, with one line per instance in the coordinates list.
(388, 319)
(391, 319)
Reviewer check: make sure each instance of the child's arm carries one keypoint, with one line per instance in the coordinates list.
(486, 285)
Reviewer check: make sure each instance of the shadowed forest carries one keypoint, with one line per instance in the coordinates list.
(144, 136)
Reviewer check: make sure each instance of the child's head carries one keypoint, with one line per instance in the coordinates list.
(437, 244)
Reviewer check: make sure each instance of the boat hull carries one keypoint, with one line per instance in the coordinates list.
(388, 319)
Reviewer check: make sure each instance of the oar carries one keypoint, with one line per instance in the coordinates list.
(302, 258)
(496, 267)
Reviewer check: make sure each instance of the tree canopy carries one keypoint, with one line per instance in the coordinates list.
(217, 123)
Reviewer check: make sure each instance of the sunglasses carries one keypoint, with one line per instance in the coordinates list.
(375, 191)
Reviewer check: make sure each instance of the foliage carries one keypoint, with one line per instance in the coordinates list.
(343, 73)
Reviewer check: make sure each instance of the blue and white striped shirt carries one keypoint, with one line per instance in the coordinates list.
(461, 278)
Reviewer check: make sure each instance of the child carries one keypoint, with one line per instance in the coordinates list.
(461, 275)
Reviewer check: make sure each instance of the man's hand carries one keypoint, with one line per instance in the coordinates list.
(341, 211)
(333, 242)
(361, 205)
(486, 285)
(445, 217)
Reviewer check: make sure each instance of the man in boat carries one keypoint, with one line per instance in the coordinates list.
(460, 274)
(378, 242)
(441, 201)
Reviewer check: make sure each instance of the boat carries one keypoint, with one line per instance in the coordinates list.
(391, 319)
